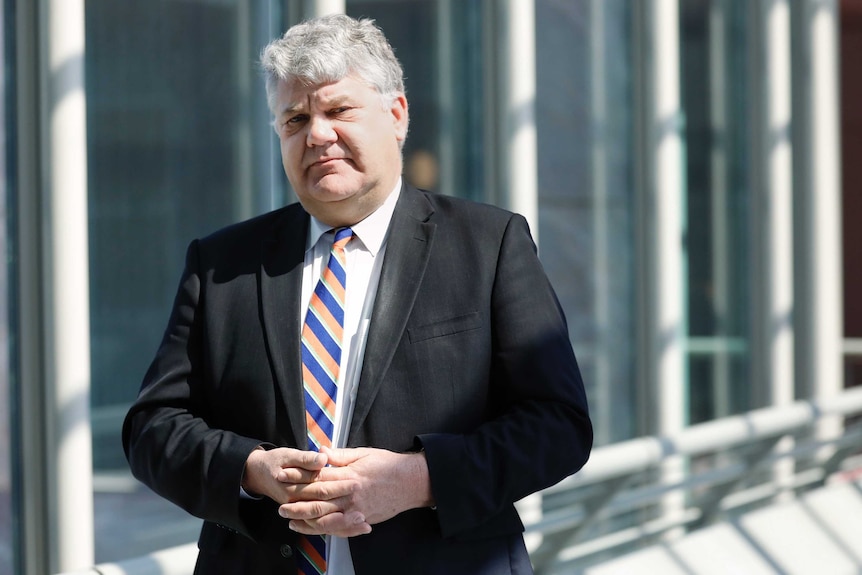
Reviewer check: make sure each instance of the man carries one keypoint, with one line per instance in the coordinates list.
(364, 382)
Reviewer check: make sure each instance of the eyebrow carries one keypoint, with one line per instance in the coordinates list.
(290, 109)
(337, 100)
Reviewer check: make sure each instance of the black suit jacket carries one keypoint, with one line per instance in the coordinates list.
(468, 357)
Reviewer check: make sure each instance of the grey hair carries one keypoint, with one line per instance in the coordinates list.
(328, 49)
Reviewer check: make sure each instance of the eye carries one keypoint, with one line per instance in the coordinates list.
(290, 124)
(294, 120)
(339, 110)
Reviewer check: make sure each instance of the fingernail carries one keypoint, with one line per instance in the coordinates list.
(282, 512)
(292, 526)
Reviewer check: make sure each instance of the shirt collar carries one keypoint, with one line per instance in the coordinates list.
(371, 231)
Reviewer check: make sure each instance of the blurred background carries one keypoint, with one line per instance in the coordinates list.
(691, 171)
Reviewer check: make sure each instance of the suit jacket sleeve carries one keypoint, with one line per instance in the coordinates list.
(168, 441)
(541, 431)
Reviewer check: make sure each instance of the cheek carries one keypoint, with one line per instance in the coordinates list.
(291, 157)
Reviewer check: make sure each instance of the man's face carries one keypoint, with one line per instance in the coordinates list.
(339, 146)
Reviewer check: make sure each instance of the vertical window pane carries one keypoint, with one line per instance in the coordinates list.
(439, 45)
(179, 145)
(713, 68)
(584, 119)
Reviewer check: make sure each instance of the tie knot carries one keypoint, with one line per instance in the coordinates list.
(342, 236)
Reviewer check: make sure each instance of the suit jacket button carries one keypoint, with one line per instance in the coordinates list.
(286, 551)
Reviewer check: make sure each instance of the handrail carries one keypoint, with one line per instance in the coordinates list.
(639, 454)
(616, 481)
(733, 465)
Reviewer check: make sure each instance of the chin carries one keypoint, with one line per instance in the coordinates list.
(335, 192)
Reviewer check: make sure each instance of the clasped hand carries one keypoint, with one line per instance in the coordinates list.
(339, 492)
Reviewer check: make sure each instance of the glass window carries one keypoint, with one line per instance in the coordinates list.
(584, 103)
(179, 145)
(440, 47)
(713, 55)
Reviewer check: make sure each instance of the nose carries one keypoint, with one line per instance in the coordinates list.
(320, 131)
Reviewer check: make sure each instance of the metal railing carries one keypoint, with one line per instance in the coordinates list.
(619, 501)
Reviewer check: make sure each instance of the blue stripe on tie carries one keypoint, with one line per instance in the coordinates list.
(342, 233)
(332, 347)
(338, 271)
(318, 414)
(330, 301)
(329, 387)
(323, 377)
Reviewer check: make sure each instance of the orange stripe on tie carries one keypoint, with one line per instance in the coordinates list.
(315, 433)
(310, 553)
(326, 360)
(326, 318)
(334, 286)
(327, 404)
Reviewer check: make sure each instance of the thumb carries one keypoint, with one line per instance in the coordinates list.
(310, 460)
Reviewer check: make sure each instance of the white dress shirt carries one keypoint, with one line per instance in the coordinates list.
(364, 255)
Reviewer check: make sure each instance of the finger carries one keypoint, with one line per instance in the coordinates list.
(300, 475)
(343, 456)
(337, 474)
(306, 510)
(297, 475)
(320, 490)
(338, 524)
(289, 457)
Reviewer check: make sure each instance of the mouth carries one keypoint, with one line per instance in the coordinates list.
(325, 161)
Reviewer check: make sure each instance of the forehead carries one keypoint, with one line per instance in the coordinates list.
(294, 94)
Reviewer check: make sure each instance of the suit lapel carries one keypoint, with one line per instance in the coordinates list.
(280, 292)
(408, 248)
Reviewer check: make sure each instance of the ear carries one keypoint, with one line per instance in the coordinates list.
(400, 116)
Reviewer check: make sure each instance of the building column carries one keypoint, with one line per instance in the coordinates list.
(772, 218)
(666, 197)
(53, 458)
(818, 183)
(772, 208)
(315, 8)
(517, 108)
(660, 232)
(720, 216)
(70, 463)
(602, 404)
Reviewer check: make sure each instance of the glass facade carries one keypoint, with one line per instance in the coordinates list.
(585, 125)
(179, 144)
(441, 46)
(715, 95)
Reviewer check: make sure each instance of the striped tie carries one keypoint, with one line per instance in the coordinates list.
(321, 356)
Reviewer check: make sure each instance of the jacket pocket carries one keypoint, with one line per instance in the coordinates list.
(449, 326)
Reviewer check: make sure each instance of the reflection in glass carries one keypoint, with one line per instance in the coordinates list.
(584, 119)
(179, 145)
(439, 44)
(713, 68)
